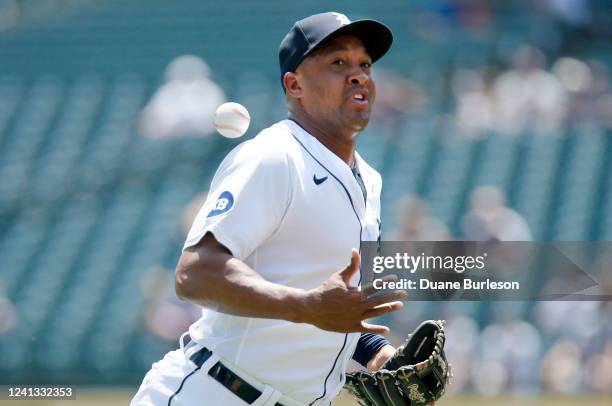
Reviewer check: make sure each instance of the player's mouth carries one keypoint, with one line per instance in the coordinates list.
(360, 97)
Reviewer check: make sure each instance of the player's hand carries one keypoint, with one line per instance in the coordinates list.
(335, 305)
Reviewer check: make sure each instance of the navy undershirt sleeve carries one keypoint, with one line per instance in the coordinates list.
(369, 344)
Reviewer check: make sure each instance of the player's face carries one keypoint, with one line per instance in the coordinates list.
(337, 87)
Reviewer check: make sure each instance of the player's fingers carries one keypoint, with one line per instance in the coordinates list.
(352, 268)
(369, 289)
(382, 309)
(392, 296)
(373, 328)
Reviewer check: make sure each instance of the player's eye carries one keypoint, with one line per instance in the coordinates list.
(366, 65)
(338, 62)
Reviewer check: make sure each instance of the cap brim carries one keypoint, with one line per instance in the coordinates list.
(375, 36)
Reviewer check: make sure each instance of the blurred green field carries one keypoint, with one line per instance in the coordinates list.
(122, 397)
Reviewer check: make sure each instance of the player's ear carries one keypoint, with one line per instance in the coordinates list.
(292, 84)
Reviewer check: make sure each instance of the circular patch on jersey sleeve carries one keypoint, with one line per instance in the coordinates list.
(224, 204)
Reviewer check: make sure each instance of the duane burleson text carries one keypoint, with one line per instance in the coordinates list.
(425, 284)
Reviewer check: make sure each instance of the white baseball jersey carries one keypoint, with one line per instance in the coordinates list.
(292, 210)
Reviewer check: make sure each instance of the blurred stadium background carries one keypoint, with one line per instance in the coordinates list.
(493, 120)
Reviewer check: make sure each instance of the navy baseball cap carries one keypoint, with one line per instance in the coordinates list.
(308, 34)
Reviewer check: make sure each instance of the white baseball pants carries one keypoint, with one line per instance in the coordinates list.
(177, 381)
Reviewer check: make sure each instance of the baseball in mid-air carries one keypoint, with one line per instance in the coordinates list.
(232, 120)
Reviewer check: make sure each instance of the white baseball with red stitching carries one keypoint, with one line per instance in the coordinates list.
(232, 120)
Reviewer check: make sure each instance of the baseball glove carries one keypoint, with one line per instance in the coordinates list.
(416, 375)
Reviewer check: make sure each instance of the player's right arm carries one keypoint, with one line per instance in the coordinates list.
(207, 274)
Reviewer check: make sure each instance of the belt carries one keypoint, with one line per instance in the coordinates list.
(227, 378)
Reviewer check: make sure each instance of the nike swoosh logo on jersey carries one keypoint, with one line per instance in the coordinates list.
(318, 181)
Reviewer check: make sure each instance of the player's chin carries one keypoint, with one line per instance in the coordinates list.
(359, 121)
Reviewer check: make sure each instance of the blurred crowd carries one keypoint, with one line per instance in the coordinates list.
(527, 97)
(185, 104)
(524, 94)
(488, 218)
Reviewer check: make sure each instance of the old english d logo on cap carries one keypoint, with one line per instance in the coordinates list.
(342, 19)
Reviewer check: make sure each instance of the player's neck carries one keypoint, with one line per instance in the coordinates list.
(343, 145)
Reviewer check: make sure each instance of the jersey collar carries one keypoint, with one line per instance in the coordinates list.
(330, 162)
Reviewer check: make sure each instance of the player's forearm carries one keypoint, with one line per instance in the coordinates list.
(209, 275)
(226, 284)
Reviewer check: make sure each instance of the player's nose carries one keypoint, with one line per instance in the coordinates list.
(358, 78)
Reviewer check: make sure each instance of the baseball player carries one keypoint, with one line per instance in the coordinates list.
(267, 254)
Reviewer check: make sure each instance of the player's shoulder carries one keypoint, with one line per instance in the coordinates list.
(271, 146)
(276, 138)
